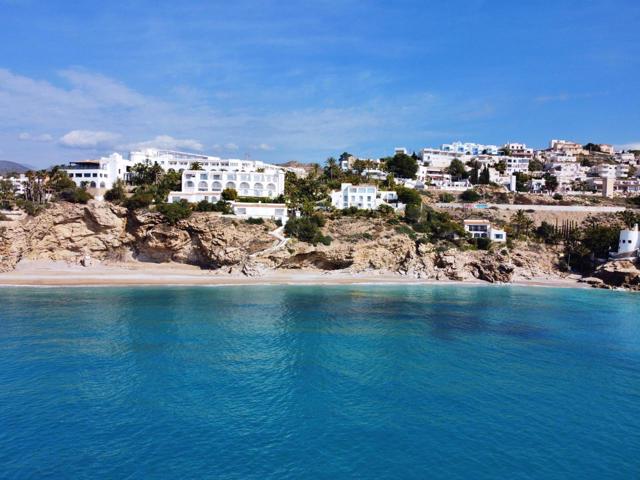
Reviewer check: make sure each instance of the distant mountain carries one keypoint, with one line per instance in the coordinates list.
(10, 167)
(294, 164)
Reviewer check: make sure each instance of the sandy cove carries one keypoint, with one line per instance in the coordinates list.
(56, 273)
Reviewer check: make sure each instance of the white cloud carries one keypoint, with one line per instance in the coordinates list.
(88, 139)
(43, 137)
(265, 147)
(170, 143)
(629, 146)
(228, 147)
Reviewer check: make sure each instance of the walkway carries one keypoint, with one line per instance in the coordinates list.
(281, 241)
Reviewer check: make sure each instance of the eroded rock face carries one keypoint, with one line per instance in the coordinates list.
(101, 231)
(622, 274)
(69, 232)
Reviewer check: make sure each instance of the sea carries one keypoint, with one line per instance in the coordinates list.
(319, 382)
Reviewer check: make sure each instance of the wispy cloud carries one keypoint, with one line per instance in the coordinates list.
(167, 142)
(629, 146)
(565, 97)
(42, 137)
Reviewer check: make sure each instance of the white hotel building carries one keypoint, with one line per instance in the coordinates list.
(198, 185)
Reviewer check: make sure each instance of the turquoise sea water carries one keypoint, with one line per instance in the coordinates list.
(319, 382)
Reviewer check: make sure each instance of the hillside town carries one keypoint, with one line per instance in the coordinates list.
(459, 195)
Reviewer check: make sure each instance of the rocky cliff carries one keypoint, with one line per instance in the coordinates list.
(102, 232)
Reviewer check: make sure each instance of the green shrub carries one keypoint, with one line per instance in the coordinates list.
(75, 195)
(446, 197)
(255, 221)
(483, 243)
(174, 212)
(220, 206)
(116, 194)
(470, 196)
(229, 194)
(557, 196)
(307, 229)
(30, 208)
(139, 200)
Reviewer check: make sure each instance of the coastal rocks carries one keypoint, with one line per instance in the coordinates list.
(619, 274)
(65, 232)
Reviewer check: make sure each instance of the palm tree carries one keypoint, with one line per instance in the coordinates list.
(196, 166)
(332, 169)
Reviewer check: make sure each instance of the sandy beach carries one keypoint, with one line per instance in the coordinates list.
(58, 273)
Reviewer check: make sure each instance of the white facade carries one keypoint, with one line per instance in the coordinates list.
(519, 150)
(571, 148)
(272, 211)
(467, 148)
(629, 243)
(208, 185)
(619, 170)
(433, 157)
(365, 197)
(483, 229)
(516, 165)
(17, 183)
(169, 159)
(101, 173)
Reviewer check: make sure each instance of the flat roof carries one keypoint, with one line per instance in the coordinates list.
(477, 220)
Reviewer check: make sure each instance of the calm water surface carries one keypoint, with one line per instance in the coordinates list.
(319, 382)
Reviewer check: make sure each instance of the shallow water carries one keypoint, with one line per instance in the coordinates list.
(319, 382)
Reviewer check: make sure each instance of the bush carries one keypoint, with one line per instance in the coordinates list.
(483, 243)
(470, 196)
(139, 200)
(446, 197)
(174, 212)
(117, 194)
(255, 221)
(229, 194)
(219, 206)
(408, 196)
(75, 195)
(307, 229)
(557, 196)
(30, 208)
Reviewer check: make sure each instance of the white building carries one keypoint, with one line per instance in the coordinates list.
(99, 174)
(629, 243)
(519, 150)
(467, 148)
(479, 228)
(516, 165)
(208, 185)
(169, 159)
(16, 182)
(272, 211)
(365, 197)
(571, 148)
(619, 170)
(434, 157)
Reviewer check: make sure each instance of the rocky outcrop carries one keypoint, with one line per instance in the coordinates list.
(99, 231)
(618, 274)
(102, 231)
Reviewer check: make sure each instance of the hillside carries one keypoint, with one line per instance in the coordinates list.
(10, 167)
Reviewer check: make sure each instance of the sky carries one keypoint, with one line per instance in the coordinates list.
(280, 80)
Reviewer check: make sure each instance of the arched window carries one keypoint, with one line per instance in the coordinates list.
(244, 189)
(92, 184)
(257, 189)
(102, 185)
(231, 185)
(271, 189)
(189, 184)
(203, 187)
(216, 186)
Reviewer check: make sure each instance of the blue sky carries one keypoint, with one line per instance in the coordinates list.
(280, 80)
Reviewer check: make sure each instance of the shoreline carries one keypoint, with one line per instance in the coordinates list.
(62, 274)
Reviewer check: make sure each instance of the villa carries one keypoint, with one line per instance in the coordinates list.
(366, 197)
(479, 228)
